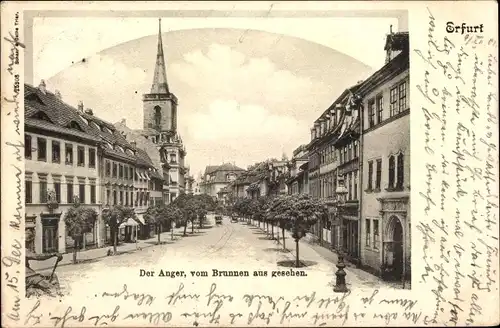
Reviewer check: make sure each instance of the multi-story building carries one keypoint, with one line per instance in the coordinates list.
(298, 183)
(73, 155)
(385, 142)
(61, 155)
(240, 185)
(334, 151)
(122, 175)
(218, 177)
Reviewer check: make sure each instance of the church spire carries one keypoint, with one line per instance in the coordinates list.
(160, 84)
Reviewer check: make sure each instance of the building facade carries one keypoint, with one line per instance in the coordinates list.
(218, 177)
(386, 222)
(334, 150)
(61, 159)
(298, 182)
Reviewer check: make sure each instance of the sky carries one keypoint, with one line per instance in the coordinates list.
(248, 88)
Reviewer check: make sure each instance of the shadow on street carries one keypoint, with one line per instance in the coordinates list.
(291, 263)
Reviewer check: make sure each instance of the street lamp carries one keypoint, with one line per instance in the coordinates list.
(340, 285)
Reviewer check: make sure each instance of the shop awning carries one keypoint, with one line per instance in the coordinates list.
(129, 223)
(140, 217)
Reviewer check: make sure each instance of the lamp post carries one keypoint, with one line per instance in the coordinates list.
(340, 284)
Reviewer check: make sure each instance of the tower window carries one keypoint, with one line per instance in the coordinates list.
(157, 115)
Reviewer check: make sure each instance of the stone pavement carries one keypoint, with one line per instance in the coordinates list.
(314, 252)
(94, 254)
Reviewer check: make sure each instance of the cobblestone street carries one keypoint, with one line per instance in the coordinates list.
(226, 248)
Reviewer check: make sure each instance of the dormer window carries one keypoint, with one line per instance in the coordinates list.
(42, 116)
(34, 97)
(75, 125)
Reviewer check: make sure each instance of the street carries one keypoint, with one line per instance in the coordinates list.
(216, 252)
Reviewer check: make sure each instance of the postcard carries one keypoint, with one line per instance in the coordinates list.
(221, 164)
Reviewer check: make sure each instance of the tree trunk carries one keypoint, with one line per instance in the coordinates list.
(201, 222)
(158, 229)
(192, 226)
(185, 228)
(297, 264)
(115, 240)
(171, 231)
(272, 231)
(283, 234)
(75, 249)
(277, 235)
(84, 241)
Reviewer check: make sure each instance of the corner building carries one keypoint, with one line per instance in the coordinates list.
(385, 218)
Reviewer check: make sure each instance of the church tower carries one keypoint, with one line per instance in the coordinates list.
(160, 126)
(160, 105)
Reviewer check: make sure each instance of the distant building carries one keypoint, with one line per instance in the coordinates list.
(218, 177)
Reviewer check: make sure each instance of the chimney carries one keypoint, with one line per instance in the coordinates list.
(134, 144)
(80, 106)
(123, 122)
(58, 94)
(89, 111)
(42, 87)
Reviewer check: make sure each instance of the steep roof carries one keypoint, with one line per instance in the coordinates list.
(45, 110)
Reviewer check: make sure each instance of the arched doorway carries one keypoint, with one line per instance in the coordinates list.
(394, 249)
(397, 237)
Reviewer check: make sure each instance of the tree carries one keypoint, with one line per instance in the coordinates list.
(114, 217)
(276, 212)
(172, 214)
(203, 205)
(78, 221)
(156, 215)
(298, 212)
(187, 204)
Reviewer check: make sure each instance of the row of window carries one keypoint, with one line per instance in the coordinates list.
(398, 103)
(115, 197)
(327, 184)
(372, 234)
(43, 192)
(41, 152)
(121, 171)
(396, 173)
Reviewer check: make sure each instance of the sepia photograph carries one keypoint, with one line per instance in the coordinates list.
(249, 164)
(119, 166)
